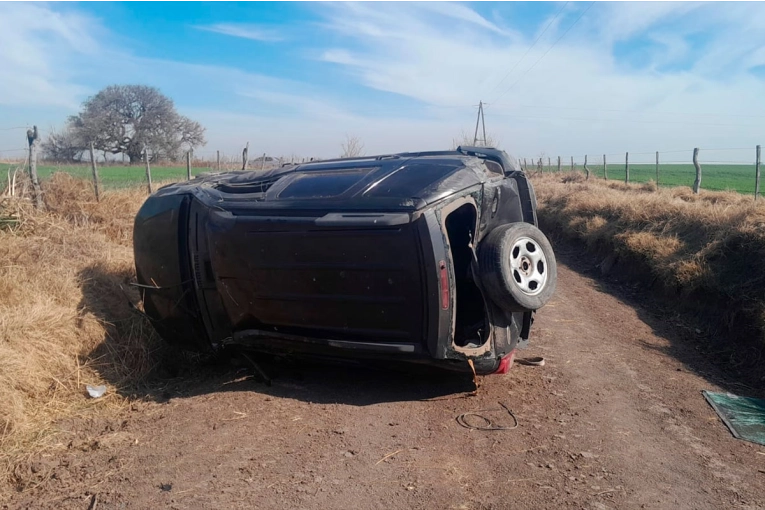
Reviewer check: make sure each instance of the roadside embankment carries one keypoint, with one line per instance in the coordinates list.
(705, 253)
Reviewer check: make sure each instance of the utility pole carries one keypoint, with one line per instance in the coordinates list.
(480, 120)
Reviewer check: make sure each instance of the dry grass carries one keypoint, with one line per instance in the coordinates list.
(65, 318)
(709, 249)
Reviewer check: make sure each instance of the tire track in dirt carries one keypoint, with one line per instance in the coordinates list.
(610, 421)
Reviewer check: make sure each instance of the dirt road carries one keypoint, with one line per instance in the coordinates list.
(615, 419)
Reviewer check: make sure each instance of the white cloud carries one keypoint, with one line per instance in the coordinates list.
(245, 31)
(462, 13)
(442, 69)
(37, 46)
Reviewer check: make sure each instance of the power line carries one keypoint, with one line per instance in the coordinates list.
(12, 128)
(529, 49)
(548, 51)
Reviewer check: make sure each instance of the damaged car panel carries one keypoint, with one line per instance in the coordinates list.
(376, 258)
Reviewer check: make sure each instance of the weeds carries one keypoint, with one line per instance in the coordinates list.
(706, 249)
(65, 317)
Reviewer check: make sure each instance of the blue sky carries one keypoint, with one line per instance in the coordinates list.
(296, 78)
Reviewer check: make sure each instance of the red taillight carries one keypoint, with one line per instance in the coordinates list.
(444, 286)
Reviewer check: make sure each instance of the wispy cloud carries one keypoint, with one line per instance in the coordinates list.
(38, 48)
(244, 31)
(427, 62)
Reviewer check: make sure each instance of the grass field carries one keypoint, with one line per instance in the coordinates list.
(113, 176)
(717, 177)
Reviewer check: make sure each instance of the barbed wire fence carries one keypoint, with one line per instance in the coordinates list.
(704, 168)
(107, 172)
(700, 168)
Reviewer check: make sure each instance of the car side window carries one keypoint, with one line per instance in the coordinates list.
(494, 169)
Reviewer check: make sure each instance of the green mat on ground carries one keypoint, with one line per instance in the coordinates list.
(744, 416)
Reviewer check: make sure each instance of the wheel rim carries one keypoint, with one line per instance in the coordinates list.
(529, 266)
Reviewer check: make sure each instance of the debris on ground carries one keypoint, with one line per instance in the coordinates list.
(96, 391)
(536, 362)
(744, 416)
(487, 424)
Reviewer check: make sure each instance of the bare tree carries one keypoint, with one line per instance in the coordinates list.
(123, 119)
(65, 146)
(466, 140)
(352, 147)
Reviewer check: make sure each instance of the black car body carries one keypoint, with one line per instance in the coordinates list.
(364, 258)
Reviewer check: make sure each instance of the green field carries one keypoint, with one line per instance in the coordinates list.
(738, 178)
(716, 177)
(112, 176)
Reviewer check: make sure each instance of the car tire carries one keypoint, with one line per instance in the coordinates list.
(517, 267)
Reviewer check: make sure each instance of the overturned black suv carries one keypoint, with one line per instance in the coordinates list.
(430, 257)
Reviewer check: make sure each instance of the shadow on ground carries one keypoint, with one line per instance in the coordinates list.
(732, 365)
(134, 360)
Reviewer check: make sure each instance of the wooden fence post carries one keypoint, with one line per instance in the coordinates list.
(549, 166)
(525, 166)
(586, 170)
(32, 136)
(558, 164)
(95, 171)
(605, 168)
(188, 165)
(697, 182)
(217, 156)
(245, 156)
(627, 167)
(657, 168)
(757, 174)
(148, 168)
(572, 163)
(263, 162)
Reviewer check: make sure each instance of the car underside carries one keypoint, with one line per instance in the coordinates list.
(366, 259)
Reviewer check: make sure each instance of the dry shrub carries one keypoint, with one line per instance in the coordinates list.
(656, 248)
(710, 246)
(573, 177)
(65, 317)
